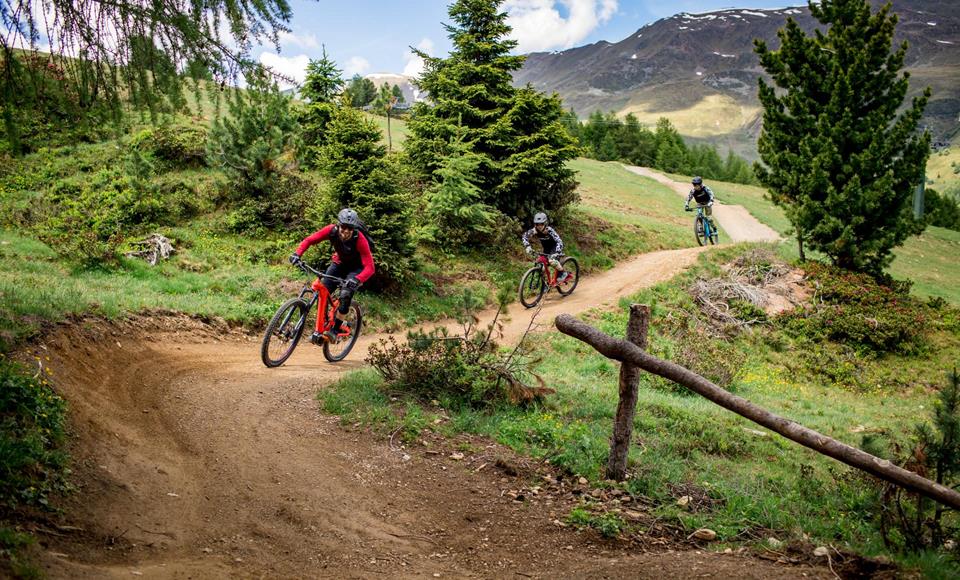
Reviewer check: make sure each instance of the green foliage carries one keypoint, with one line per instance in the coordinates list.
(941, 210)
(608, 524)
(360, 91)
(861, 312)
(910, 521)
(89, 218)
(455, 216)
(838, 156)
(13, 559)
(105, 55)
(360, 176)
(175, 146)
(253, 144)
(323, 81)
(517, 132)
(32, 418)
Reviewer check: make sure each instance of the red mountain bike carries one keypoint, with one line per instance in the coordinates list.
(539, 279)
(287, 325)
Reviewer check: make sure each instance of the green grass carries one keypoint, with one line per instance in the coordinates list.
(943, 171)
(930, 260)
(398, 130)
(760, 484)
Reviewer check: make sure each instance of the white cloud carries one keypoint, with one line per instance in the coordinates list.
(414, 64)
(538, 25)
(355, 65)
(306, 40)
(294, 67)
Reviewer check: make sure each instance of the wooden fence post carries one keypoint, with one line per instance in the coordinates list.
(623, 351)
(637, 328)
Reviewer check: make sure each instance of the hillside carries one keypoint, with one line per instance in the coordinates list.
(700, 71)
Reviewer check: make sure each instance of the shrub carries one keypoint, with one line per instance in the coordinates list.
(858, 310)
(32, 415)
(176, 146)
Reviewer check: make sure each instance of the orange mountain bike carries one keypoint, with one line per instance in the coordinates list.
(287, 325)
(539, 279)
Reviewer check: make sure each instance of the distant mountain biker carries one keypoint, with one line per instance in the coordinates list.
(704, 198)
(549, 240)
(352, 260)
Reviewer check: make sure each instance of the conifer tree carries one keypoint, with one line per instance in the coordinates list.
(836, 154)
(517, 133)
(360, 176)
(323, 80)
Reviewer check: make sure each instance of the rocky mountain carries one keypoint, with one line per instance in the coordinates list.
(411, 94)
(700, 71)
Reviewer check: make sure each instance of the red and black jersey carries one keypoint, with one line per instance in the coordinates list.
(352, 253)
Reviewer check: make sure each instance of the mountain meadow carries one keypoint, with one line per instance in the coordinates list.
(151, 196)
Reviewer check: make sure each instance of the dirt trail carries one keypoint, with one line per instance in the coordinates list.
(735, 221)
(194, 461)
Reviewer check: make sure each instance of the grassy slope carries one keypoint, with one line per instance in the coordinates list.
(943, 171)
(930, 260)
(243, 279)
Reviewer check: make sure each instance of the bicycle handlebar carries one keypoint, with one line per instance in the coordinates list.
(307, 269)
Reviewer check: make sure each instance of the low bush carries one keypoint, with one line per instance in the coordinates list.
(860, 311)
(175, 146)
(32, 461)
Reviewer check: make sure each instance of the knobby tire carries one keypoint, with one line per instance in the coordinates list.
(698, 230)
(338, 351)
(285, 329)
(573, 268)
(533, 283)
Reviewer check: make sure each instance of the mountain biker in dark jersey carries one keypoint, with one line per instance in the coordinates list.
(549, 240)
(352, 261)
(703, 195)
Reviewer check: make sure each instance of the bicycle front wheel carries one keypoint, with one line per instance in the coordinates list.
(572, 268)
(284, 332)
(347, 337)
(532, 287)
(699, 230)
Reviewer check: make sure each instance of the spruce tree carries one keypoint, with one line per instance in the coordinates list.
(360, 176)
(836, 154)
(323, 80)
(517, 133)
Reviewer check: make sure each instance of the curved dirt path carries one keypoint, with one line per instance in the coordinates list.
(194, 461)
(735, 221)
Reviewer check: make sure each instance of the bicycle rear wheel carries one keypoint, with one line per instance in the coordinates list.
(699, 230)
(283, 332)
(532, 287)
(572, 267)
(347, 337)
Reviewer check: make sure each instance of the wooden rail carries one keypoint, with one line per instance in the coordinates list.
(629, 353)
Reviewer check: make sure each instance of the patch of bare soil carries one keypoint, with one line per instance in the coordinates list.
(192, 460)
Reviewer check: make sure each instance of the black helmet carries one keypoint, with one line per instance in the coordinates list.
(697, 180)
(348, 217)
(540, 218)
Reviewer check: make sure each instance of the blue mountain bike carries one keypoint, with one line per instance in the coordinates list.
(702, 229)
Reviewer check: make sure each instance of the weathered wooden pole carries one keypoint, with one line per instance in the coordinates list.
(622, 350)
(637, 328)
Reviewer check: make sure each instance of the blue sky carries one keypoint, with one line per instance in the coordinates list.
(373, 36)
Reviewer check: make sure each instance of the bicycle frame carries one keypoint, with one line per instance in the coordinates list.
(707, 231)
(320, 295)
(552, 273)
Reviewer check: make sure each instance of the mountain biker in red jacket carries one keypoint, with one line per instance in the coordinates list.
(549, 240)
(352, 261)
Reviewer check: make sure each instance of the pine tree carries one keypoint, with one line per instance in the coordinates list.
(836, 154)
(320, 87)
(360, 176)
(518, 134)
